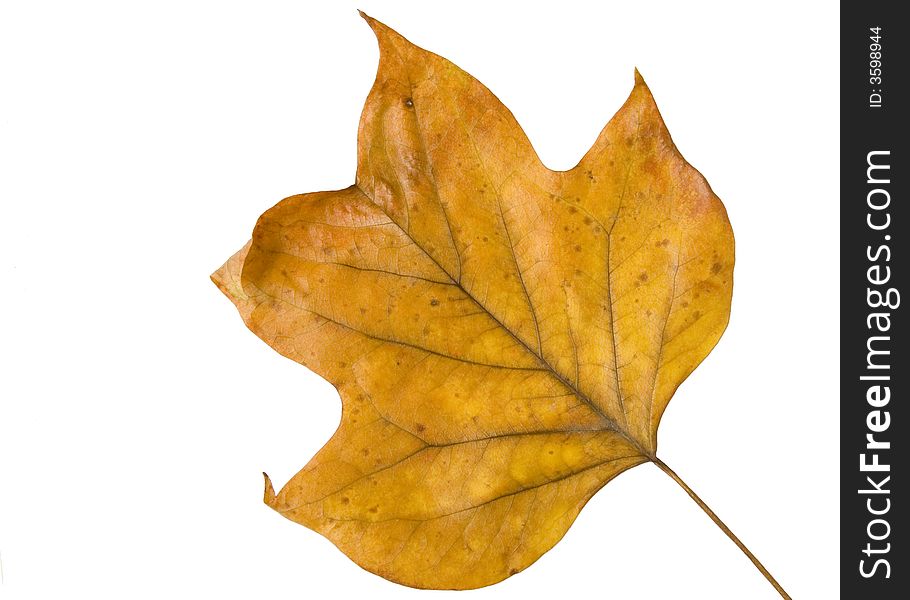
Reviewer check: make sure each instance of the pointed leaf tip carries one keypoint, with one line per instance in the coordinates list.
(268, 495)
(375, 25)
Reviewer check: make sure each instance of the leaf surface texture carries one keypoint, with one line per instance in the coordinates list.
(504, 337)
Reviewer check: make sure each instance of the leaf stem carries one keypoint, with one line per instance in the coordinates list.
(723, 526)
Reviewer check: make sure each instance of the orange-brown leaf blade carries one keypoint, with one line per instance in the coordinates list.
(504, 338)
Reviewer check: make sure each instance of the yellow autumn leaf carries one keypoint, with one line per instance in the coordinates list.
(504, 337)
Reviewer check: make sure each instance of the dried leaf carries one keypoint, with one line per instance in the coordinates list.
(504, 337)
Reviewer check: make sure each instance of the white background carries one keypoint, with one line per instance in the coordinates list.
(138, 144)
